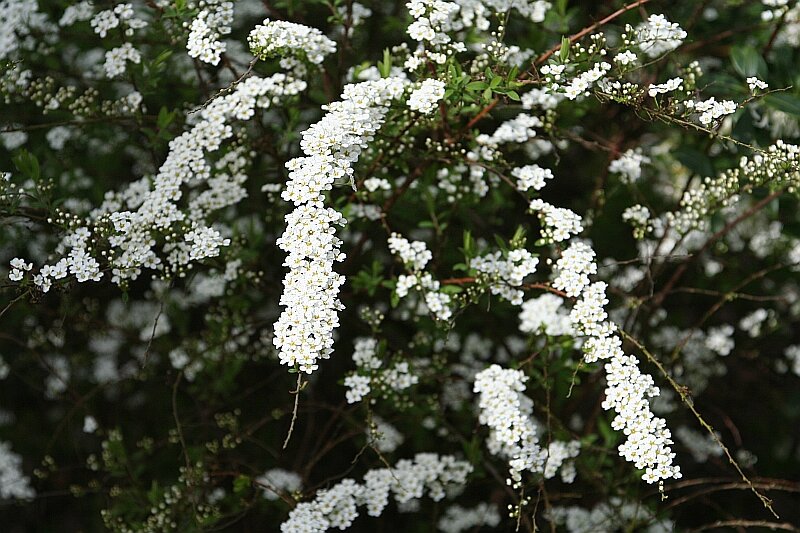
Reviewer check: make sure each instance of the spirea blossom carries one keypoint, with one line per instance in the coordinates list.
(303, 332)
(506, 271)
(337, 506)
(658, 36)
(281, 38)
(629, 165)
(117, 58)
(507, 411)
(427, 96)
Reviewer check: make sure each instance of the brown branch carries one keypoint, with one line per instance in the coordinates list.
(676, 276)
(588, 29)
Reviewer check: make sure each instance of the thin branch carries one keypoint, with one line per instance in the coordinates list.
(687, 400)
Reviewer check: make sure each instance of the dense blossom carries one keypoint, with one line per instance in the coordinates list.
(541, 242)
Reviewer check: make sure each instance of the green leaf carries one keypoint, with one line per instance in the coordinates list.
(477, 85)
(385, 66)
(513, 95)
(563, 53)
(788, 103)
(27, 163)
(451, 289)
(241, 484)
(748, 62)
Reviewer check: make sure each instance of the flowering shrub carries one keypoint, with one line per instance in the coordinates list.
(429, 266)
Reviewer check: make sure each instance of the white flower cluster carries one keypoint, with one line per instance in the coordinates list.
(153, 207)
(277, 481)
(711, 110)
(281, 38)
(581, 84)
(719, 339)
(658, 36)
(117, 57)
(559, 455)
(107, 20)
(408, 480)
(627, 391)
(752, 323)
(545, 313)
(18, 269)
(76, 13)
(415, 256)
(668, 86)
(457, 519)
(574, 267)
(16, 17)
(385, 436)
(700, 445)
(425, 98)
(629, 165)
(304, 331)
(207, 29)
(371, 374)
(792, 353)
(13, 482)
(626, 58)
(205, 242)
(507, 411)
(430, 17)
(506, 271)
(612, 515)
(531, 177)
(636, 214)
(558, 223)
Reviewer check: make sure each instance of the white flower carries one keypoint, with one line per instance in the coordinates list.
(531, 177)
(629, 165)
(755, 84)
(657, 35)
(427, 96)
(117, 57)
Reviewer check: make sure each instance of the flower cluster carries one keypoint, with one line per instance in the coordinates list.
(207, 29)
(506, 271)
(13, 483)
(658, 36)
(531, 177)
(627, 392)
(408, 480)
(280, 38)
(668, 86)
(629, 165)
(545, 313)
(558, 223)
(303, 333)
(425, 98)
(507, 412)
(457, 519)
(711, 110)
(370, 374)
(116, 59)
(415, 256)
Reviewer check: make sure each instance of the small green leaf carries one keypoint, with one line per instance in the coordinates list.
(513, 95)
(563, 53)
(241, 484)
(748, 62)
